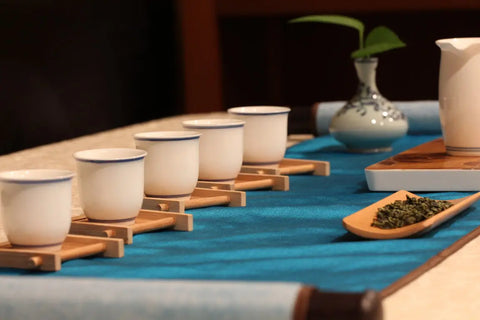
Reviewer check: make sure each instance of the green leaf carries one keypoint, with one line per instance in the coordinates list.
(335, 19)
(374, 49)
(382, 34)
(380, 39)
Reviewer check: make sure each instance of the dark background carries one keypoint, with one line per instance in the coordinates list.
(269, 60)
(266, 60)
(69, 68)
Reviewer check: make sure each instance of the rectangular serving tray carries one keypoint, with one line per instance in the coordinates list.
(426, 167)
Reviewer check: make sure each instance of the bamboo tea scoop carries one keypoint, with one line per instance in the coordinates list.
(360, 222)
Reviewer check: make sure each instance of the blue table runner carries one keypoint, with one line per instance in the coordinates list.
(286, 236)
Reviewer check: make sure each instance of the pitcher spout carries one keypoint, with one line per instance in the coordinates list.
(460, 46)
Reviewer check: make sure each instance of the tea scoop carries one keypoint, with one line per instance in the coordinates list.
(360, 222)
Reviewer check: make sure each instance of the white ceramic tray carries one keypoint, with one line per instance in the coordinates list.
(426, 167)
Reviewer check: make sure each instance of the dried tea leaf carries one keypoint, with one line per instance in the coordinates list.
(405, 212)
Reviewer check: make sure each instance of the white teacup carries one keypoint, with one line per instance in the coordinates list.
(171, 164)
(111, 184)
(221, 148)
(36, 207)
(266, 129)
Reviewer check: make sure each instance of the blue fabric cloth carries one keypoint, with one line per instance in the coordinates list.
(292, 236)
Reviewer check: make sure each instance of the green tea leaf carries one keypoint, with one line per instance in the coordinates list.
(380, 39)
(401, 213)
(335, 19)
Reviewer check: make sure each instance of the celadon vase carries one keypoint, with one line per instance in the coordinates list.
(368, 122)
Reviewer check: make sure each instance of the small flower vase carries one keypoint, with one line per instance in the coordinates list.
(368, 122)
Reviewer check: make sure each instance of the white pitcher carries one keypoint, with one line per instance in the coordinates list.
(459, 95)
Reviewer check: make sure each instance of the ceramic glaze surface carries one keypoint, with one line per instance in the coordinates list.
(459, 95)
(172, 162)
(111, 188)
(221, 147)
(36, 207)
(368, 122)
(265, 137)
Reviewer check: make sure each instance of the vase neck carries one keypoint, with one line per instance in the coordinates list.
(366, 72)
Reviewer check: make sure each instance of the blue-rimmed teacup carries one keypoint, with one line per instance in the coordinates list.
(171, 164)
(36, 207)
(266, 129)
(221, 148)
(111, 184)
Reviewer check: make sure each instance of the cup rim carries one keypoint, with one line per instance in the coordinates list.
(461, 43)
(213, 123)
(36, 175)
(166, 135)
(109, 155)
(259, 110)
(458, 39)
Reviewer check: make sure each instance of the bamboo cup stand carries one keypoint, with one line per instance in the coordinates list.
(296, 138)
(248, 181)
(200, 198)
(146, 221)
(74, 247)
(292, 166)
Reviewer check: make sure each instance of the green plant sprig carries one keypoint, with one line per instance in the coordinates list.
(378, 40)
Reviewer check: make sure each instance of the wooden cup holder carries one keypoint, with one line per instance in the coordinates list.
(146, 221)
(200, 198)
(74, 247)
(291, 166)
(247, 181)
